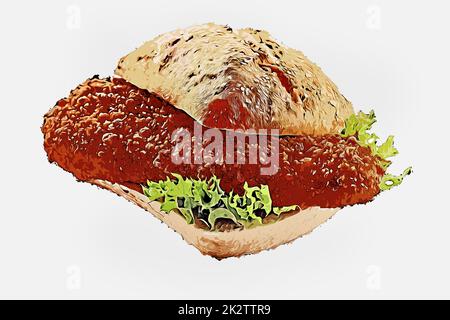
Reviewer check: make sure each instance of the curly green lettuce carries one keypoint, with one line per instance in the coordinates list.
(358, 125)
(206, 201)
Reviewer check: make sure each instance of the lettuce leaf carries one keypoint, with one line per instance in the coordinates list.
(389, 180)
(220, 213)
(206, 201)
(358, 125)
(280, 210)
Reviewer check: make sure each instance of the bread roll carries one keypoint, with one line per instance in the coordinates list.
(245, 77)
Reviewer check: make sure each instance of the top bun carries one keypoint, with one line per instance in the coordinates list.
(238, 79)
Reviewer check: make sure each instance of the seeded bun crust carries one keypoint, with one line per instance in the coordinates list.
(234, 243)
(264, 83)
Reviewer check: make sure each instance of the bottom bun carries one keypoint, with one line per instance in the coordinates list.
(232, 243)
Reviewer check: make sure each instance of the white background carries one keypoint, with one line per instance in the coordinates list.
(63, 239)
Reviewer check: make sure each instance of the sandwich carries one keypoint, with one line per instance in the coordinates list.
(235, 141)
